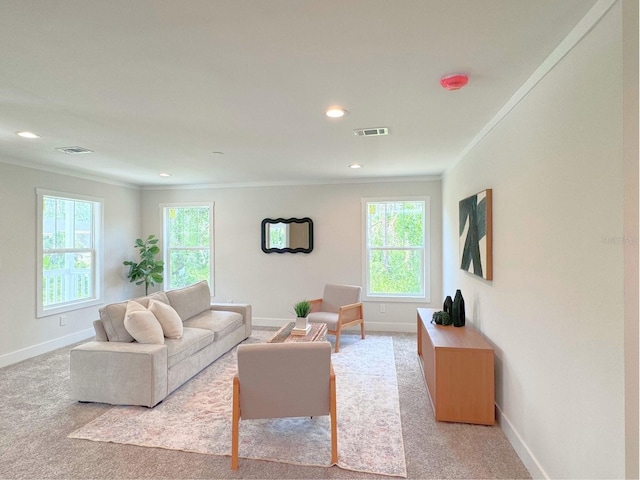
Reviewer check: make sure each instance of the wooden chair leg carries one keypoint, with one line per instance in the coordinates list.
(235, 424)
(334, 421)
(362, 329)
(337, 340)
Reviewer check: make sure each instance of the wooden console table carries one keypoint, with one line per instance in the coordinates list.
(457, 365)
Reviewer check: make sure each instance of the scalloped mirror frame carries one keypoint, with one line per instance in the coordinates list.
(304, 235)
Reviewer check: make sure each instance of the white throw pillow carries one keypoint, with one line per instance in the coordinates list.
(142, 324)
(169, 319)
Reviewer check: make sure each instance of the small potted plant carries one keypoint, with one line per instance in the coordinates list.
(302, 310)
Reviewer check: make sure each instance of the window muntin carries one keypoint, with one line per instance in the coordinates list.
(396, 248)
(69, 260)
(188, 244)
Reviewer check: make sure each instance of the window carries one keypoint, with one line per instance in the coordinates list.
(188, 244)
(396, 248)
(69, 252)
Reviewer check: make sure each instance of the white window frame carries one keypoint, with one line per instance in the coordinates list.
(165, 241)
(96, 254)
(425, 296)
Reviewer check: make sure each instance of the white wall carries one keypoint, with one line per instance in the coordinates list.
(272, 283)
(24, 335)
(554, 311)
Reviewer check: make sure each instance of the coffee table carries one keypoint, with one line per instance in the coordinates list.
(317, 333)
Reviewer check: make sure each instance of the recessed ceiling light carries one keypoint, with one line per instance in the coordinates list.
(355, 165)
(26, 134)
(335, 112)
(164, 174)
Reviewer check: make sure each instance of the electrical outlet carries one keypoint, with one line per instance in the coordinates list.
(383, 308)
(63, 320)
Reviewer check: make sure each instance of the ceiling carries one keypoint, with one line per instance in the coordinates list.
(160, 85)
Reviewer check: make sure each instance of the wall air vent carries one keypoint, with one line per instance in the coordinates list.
(74, 150)
(371, 132)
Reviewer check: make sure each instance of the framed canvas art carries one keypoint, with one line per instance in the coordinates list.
(475, 235)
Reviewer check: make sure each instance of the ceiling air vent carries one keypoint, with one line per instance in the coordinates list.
(371, 132)
(74, 150)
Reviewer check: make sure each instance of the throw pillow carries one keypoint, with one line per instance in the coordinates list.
(142, 325)
(169, 319)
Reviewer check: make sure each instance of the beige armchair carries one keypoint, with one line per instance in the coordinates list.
(340, 307)
(277, 380)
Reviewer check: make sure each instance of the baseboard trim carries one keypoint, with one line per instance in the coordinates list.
(520, 446)
(369, 326)
(45, 347)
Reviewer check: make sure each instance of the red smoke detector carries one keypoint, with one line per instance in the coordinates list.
(454, 82)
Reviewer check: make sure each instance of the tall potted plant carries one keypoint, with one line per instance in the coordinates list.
(148, 270)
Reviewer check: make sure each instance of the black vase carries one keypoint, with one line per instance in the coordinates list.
(448, 303)
(457, 310)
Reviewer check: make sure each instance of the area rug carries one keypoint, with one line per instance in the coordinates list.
(197, 416)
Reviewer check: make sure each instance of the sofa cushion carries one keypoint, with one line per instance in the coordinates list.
(190, 301)
(142, 324)
(192, 341)
(169, 319)
(218, 321)
(112, 317)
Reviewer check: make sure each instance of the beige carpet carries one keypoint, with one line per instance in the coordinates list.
(197, 417)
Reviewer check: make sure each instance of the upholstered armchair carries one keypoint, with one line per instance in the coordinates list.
(278, 380)
(340, 307)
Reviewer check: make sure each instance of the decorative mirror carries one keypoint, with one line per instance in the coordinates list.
(291, 235)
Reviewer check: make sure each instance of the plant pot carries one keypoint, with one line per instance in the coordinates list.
(302, 326)
(301, 323)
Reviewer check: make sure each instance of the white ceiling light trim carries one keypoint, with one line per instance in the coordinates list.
(335, 112)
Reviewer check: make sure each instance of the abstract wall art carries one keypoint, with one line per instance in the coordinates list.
(475, 234)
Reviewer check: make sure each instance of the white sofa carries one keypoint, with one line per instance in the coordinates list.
(117, 370)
